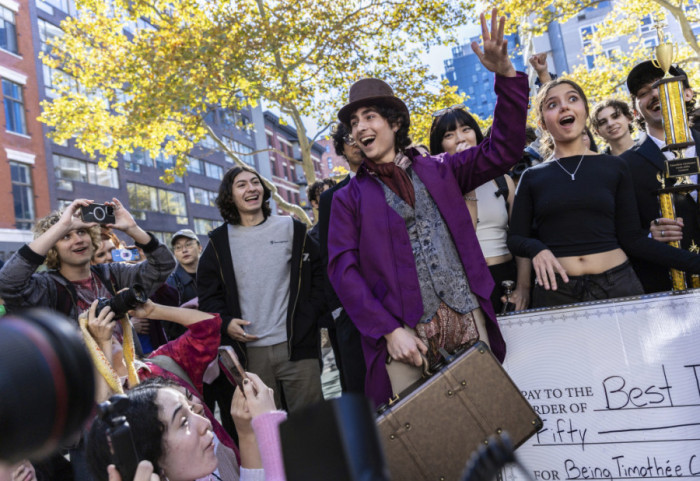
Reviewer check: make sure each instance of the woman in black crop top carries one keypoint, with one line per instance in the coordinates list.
(575, 215)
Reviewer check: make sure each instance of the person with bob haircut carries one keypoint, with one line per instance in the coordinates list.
(453, 130)
(575, 215)
(262, 274)
(403, 255)
(612, 119)
(176, 443)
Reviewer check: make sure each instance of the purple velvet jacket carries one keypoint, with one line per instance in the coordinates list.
(371, 264)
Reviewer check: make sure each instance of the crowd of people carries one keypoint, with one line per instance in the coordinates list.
(415, 252)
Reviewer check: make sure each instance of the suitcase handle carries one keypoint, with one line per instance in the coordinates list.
(424, 366)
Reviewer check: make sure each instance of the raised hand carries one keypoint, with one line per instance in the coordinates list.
(495, 54)
(123, 220)
(71, 218)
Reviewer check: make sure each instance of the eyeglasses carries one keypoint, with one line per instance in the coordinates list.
(349, 140)
(186, 245)
(441, 112)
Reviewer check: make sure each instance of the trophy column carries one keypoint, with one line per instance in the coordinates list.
(678, 138)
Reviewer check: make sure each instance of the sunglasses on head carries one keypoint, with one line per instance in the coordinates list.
(441, 112)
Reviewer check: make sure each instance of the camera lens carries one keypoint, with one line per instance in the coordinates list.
(127, 300)
(99, 213)
(46, 381)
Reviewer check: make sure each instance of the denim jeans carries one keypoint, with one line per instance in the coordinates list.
(620, 281)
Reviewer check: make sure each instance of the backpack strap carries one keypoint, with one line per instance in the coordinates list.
(503, 190)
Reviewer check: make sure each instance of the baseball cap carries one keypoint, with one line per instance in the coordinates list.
(646, 71)
(189, 233)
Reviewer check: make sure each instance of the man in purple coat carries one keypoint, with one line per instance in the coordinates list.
(403, 255)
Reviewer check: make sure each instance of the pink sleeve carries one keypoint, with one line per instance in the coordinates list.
(267, 432)
(195, 349)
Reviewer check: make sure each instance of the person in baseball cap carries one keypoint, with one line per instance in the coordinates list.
(188, 233)
(646, 161)
(403, 253)
(187, 249)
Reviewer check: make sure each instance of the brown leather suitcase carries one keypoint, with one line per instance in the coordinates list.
(431, 430)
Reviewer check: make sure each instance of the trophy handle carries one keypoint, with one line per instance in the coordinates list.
(655, 63)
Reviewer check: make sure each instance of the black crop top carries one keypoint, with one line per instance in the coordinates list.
(596, 212)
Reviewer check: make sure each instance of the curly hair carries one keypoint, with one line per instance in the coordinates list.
(225, 203)
(314, 191)
(394, 117)
(147, 430)
(338, 134)
(620, 107)
(53, 261)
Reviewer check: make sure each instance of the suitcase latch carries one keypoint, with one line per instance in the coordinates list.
(462, 386)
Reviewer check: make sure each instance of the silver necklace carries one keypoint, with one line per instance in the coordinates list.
(573, 176)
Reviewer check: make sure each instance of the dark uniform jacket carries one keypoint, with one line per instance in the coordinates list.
(645, 161)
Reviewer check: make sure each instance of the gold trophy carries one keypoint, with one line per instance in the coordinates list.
(678, 138)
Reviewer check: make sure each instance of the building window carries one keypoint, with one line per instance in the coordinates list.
(203, 196)
(144, 198)
(204, 226)
(647, 23)
(54, 77)
(214, 171)
(651, 42)
(67, 6)
(23, 195)
(14, 107)
(587, 34)
(8, 30)
(69, 170)
(48, 32)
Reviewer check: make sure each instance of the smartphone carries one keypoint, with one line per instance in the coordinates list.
(125, 255)
(104, 214)
(234, 370)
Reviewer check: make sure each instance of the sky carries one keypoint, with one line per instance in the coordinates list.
(434, 58)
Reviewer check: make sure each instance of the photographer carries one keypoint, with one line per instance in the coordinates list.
(183, 362)
(178, 443)
(66, 243)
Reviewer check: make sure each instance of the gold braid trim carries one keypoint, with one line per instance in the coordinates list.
(102, 364)
(129, 352)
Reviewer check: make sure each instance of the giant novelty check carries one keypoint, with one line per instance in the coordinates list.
(617, 385)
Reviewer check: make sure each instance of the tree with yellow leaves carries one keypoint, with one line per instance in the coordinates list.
(150, 70)
(611, 67)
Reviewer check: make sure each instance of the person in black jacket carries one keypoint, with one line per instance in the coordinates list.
(349, 357)
(262, 274)
(645, 161)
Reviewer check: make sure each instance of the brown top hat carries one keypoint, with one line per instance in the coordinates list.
(366, 92)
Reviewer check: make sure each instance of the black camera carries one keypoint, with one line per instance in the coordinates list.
(119, 438)
(123, 301)
(47, 384)
(103, 214)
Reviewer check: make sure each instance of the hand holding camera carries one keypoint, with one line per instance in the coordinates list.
(101, 323)
(112, 214)
(70, 219)
(119, 438)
